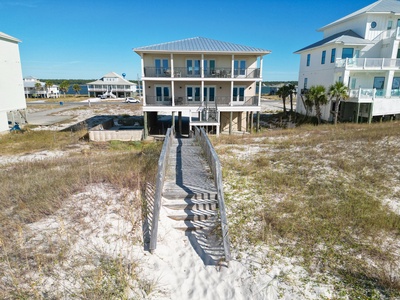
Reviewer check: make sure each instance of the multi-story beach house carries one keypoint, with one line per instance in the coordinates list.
(362, 51)
(111, 85)
(210, 82)
(34, 88)
(12, 98)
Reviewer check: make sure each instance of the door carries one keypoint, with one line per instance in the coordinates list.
(161, 66)
(240, 67)
(238, 94)
(193, 93)
(162, 93)
(209, 94)
(193, 67)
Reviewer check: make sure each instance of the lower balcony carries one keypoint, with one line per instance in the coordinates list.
(368, 95)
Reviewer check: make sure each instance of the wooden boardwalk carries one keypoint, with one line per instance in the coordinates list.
(189, 193)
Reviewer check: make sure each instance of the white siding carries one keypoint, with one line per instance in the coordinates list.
(11, 83)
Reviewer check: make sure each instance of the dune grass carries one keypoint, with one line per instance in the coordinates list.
(318, 194)
(36, 189)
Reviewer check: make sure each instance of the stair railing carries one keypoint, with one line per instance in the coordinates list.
(162, 166)
(215, 165)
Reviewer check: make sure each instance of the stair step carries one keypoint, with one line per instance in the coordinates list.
(179, 194)
(193, 225)
(190, 205)
(193, 215)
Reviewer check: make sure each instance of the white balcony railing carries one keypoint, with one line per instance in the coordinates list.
(368, 63)
(370, 94)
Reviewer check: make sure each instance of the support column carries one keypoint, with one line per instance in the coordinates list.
(258, 122)
(180, 122)
(358, 112)
(388, 84)
(251, 121)
(173, 119)
(145, 126)
(230, 122)
(370, 115)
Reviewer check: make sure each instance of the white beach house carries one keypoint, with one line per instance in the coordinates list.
(111, 85)
(11, 84)
(361, 50)
(34, 88)
(212, 82)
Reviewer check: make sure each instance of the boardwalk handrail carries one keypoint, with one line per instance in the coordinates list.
(215, 166)
(162, 165)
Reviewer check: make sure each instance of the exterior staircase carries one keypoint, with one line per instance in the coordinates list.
(189, 194)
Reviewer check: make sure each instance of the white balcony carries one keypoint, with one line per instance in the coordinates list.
(368, 63)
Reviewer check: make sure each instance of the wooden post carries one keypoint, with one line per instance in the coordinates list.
(251, 121)
(230, 122)
(258, 122)
(180, 122)
(358, 112)
(145, 125)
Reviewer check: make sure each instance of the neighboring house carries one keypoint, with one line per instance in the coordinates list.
(111, 85)
(32, 90)
(362, 51)
(212, 82)
(12, 98)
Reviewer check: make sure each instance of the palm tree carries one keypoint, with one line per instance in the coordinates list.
(292, 91)
(48, 85)
(76, 87)
(339, 92)
(64, 86)
(38, 87)
(317, 97)
(283, 92)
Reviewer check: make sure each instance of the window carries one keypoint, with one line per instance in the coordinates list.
(162, 93)
(390, 25)
(308, 59)
(379, 83)
(333, 55)
(239, 67)
(396, 86)
(396, 83)
(193, 93)
(353, 83)
(305, 83)
(193, 67)
(161, 66)
(209, 67)
(238, 94)
(209, 94)
(323, 57)
(347, 53)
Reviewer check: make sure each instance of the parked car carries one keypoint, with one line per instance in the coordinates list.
(132, 100)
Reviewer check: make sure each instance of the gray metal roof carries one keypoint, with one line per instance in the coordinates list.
(348, 37)
(381, 6)
(8, 37)
(200, 44)
(120, 81)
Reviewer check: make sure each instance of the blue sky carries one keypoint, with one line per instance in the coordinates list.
(87, 39)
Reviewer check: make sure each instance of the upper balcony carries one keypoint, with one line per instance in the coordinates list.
(368, 63)
(179, 72)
